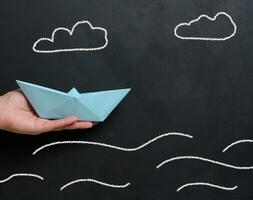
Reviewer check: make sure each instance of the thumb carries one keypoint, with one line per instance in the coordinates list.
(52, 125)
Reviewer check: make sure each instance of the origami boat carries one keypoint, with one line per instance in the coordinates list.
(53, 104)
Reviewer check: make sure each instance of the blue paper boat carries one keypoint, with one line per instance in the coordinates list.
(53, 104)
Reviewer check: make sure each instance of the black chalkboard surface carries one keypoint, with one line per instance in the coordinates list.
(189, 65)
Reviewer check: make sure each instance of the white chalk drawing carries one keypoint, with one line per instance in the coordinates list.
(206, 38)
(205, 160)
(22, 175)
(112, 146)
(94, 181)
(237, 142)
(206, 184)
(70, 33)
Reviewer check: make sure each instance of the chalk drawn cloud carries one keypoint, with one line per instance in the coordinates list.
(67, 40)
(181, 29)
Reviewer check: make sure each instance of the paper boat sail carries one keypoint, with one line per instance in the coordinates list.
(53, 104)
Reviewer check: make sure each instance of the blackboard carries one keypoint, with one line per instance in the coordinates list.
(202, 88)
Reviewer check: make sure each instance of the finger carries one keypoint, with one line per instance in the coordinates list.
(52, 125)
(79, 125)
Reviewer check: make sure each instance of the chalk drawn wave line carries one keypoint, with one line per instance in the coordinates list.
(112, 146)
(22, 175)
(205, 160)
(94, 181)
(206, 184)
(237, 142)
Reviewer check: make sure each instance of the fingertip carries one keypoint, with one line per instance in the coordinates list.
(83, 125)
(89, 124)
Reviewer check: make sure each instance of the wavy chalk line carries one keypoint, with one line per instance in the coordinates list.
(206, 184)
(111, 146)
(94, 181)
(21, 174)
(205, 160)
(235, 143)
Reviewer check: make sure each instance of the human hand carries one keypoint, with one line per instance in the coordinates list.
(17, 115)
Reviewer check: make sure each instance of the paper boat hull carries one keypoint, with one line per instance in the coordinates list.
(53, 104)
